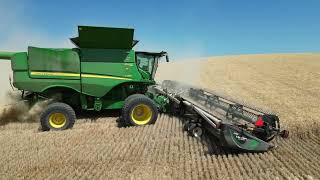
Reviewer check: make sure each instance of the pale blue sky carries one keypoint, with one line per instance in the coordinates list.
(186, 29)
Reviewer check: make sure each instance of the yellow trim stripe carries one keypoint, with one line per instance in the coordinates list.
(38, 73)
(103, 77)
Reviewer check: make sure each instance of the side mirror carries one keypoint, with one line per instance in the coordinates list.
(167, 58)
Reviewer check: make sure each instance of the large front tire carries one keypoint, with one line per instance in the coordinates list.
(57, 116)
(139, 110)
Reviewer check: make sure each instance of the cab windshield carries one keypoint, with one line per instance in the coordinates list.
(147, 62)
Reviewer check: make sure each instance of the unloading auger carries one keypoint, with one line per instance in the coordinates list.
(234, 125)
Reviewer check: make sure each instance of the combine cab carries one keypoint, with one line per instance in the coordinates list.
(104, 72)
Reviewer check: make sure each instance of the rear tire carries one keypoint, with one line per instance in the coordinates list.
(57, 116)
(139, 110)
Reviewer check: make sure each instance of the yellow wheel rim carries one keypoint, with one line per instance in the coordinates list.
(57, 120)
(141, 114)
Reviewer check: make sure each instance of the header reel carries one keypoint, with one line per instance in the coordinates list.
(234, 125)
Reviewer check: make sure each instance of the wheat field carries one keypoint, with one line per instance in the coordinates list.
(288, 84)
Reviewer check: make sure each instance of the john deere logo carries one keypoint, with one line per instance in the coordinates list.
(240, 138)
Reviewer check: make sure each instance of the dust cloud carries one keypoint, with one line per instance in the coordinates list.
(185, 71)
(20, 111)
(5, 73)
(12, 108)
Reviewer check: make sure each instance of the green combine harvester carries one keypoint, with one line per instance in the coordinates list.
(104, 72)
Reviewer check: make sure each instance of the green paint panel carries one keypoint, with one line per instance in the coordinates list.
(113, 104)
(19, 62)
(54, 60)
(22, 81)
(99, 87)
(107, 55)
(125, 70)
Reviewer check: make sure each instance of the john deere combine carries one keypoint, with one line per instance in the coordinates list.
(104, 72)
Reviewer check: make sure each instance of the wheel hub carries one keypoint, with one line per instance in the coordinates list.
(57, 120)
(141, 114)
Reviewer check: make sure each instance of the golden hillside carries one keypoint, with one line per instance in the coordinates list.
(288, 84)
